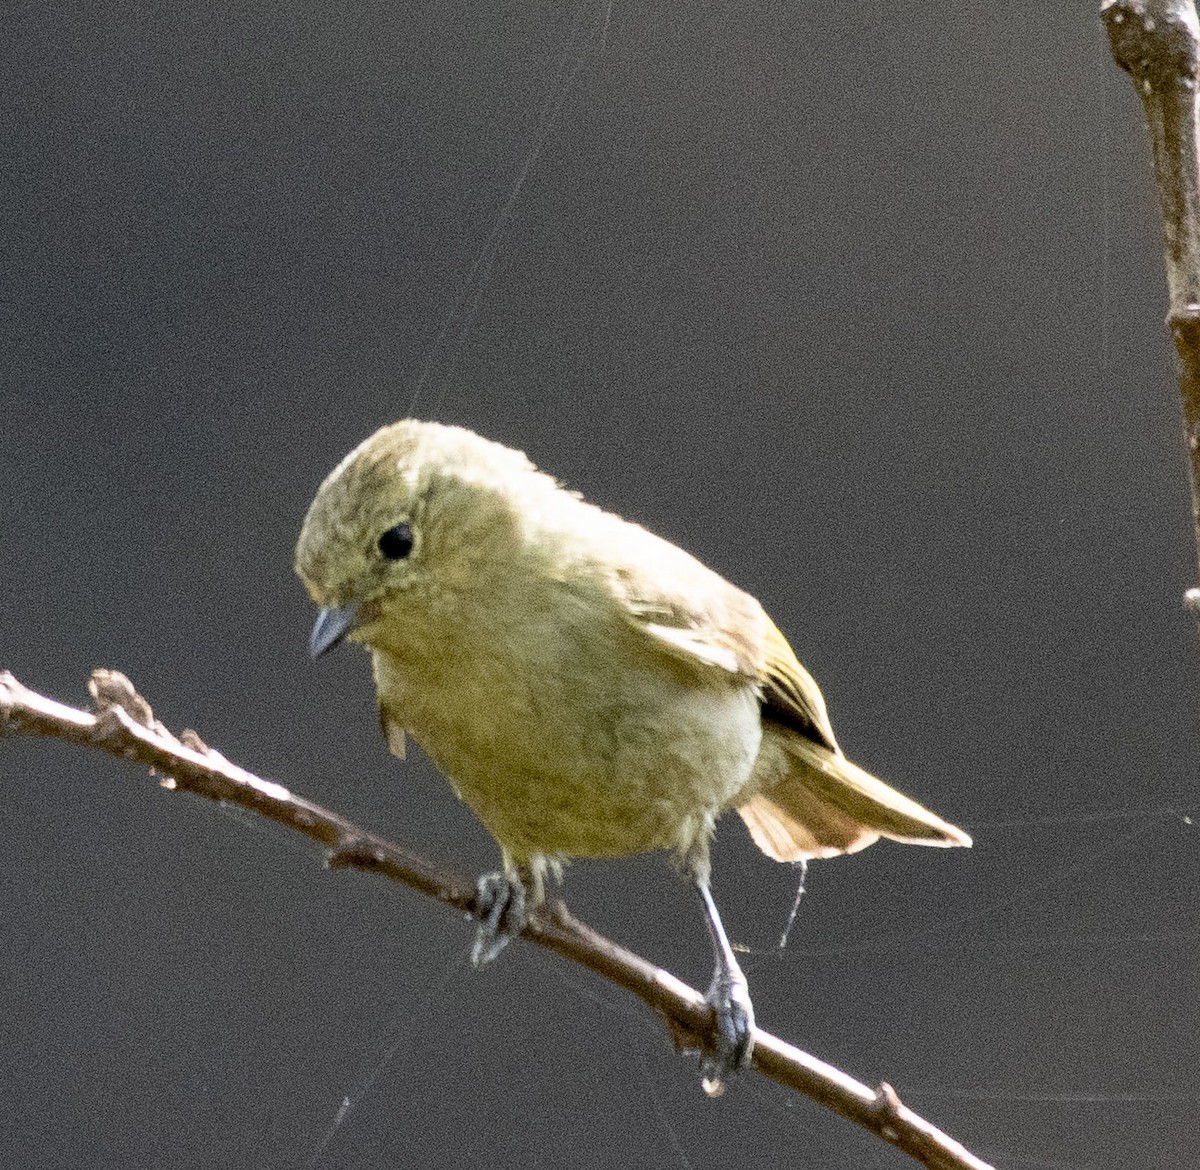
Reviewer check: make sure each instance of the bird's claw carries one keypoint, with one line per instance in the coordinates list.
(733, 1031)
(500, 902)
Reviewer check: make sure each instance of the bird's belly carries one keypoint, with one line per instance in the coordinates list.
(551, 774)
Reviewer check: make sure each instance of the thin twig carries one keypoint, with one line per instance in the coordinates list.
(1158, 43)
(124, 725)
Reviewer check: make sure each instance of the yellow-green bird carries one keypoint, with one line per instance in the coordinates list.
(588, 688)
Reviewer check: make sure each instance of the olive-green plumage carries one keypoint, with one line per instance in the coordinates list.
(586, 687)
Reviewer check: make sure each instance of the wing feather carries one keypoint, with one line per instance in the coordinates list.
(790, 695)
(688, 611)
(701, 618)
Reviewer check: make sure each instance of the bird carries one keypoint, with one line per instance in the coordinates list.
(588, 688)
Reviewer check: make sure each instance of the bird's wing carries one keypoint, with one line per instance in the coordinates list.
(694, 615)
(712, 624)
(697, 637)
(790, 695)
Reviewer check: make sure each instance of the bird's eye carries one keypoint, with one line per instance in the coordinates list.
(396, 543)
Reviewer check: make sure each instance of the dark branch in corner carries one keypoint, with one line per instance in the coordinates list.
(124, 725)
(1158, 43)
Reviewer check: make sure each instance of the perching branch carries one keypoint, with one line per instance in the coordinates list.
(124, 726)
(1158, 43)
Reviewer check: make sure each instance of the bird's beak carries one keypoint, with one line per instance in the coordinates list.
(330, 628)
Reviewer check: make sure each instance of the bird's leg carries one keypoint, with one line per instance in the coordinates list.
(729, 995)
(501, 904)
(505, 900)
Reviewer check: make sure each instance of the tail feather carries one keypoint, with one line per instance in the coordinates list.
(790, 835)
(823, 805)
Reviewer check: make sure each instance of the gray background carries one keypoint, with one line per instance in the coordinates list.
(862, 306)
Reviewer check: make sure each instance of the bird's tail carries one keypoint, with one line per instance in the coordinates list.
(822, 805)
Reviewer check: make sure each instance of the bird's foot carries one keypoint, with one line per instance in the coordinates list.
(500, 902)
(733, 1032)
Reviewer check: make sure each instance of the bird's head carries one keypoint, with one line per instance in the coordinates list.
(411, 520)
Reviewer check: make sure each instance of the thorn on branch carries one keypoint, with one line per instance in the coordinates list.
(111, 688)
(119, 709)
(887, 1109)
(191, 739)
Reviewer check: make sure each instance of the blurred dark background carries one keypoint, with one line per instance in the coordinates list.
(862, 304)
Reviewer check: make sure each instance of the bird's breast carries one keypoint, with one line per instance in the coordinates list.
(572, 752)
